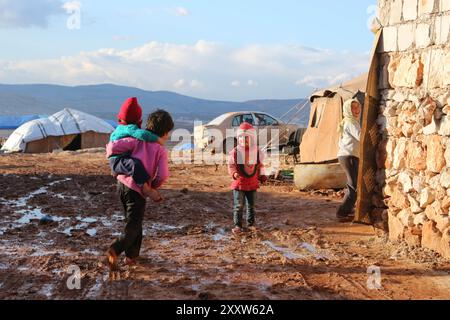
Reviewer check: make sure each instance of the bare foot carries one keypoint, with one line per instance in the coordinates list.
(129, 262)
(151, 193)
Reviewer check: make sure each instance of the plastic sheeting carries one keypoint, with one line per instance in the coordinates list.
(14, 122)
(62, 123)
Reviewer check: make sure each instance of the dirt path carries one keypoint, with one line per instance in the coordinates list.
(62, 210)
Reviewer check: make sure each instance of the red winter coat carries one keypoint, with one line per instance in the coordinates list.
(249, 175)
(246, 160)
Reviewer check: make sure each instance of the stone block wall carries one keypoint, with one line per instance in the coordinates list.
(414, 157)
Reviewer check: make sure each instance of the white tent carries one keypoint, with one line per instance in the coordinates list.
(68, 129)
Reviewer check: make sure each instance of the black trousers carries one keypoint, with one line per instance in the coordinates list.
(350, 165)
(134, 208)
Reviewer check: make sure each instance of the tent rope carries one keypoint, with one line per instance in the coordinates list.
(288, 122)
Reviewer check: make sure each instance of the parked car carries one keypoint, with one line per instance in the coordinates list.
(228, 123)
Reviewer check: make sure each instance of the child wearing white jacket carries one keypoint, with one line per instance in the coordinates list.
(348, 154)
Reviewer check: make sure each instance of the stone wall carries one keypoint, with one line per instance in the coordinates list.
(414, 156)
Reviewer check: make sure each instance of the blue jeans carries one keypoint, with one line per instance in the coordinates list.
(242, 198)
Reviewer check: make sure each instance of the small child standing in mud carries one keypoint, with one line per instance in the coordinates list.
(245, 165)
(130, 122)
(154, 159)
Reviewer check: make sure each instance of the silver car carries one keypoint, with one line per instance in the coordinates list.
(224, 128)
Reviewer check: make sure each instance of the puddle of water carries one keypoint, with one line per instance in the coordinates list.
(118, 217)
(22, 202)
(309, 247)
(210, 226)
(23, 268)
(96, 288)
(92, 232)
(164, 227)
(40, 252)
(68, 231)
(92, 252)
(195, 287)
(106, 223)
(220, 235)
(64, 197)
(47, 290)
(57, 271)
(36, 214)
(289, 254)
(88, 220)
(312, 249)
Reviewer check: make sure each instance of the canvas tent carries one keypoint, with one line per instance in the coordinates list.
(67, 130)
(320, 141)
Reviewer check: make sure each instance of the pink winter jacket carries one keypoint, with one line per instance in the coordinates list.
(152, 155)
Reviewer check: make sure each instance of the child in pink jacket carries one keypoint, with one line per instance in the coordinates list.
(154, 158)
(245, 165)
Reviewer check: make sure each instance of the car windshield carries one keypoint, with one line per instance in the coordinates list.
(265, 120)
(217, 121)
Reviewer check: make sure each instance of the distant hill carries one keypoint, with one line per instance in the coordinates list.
(104, 100)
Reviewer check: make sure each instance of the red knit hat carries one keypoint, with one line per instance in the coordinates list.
(130, 112)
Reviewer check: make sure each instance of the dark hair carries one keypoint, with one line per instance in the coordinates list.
(160, 122)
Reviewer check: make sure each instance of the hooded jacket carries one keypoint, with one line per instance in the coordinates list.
(350, 131)
(247, 161)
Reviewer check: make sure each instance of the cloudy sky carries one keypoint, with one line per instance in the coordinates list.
(221, 49)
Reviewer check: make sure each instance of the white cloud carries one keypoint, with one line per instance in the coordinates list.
(205, 69)
(320, 81)
(71, 6)
(123, 38)
(181, 12)
(184, 84)
(179, 84)
(26, 13)
(195, 84)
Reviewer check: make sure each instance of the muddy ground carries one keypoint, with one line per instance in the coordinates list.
(61, 210)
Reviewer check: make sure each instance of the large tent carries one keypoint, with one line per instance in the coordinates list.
(67, 130)
(320, 141)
